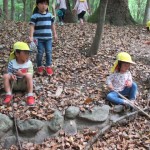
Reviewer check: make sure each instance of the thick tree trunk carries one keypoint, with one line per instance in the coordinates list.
(5, 9)
(98, 36)
(118, 13)
(12, 10)
(147, 12)
(69, 17)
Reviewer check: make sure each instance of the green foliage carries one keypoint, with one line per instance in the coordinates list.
(94, 17)
(137, 9)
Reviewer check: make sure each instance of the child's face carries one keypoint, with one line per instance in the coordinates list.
(124, 67)
(23, 56)
(42, 7)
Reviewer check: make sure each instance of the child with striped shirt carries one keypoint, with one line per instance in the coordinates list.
(20, 73)
(41, 28)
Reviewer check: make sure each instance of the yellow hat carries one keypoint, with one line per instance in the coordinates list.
(148, 24)
(82, 0)
(122, 56)
(19, 46)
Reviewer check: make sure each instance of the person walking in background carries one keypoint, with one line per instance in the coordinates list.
(20, 72)
(121, 81)
(41, 29)
(81, 7)
(61, 6)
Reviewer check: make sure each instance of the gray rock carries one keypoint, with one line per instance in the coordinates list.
(70, 128)
(99, 114)
(72, 112)
(9, 141)
(57, 122)
(30, 126)
(118, 108)
(5, 124)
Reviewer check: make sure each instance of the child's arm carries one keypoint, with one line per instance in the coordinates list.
(54, 32)
(109, 82)
(31, 32)
(57, 5)
(10, 71)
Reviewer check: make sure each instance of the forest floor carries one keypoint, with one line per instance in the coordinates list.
(77, 78)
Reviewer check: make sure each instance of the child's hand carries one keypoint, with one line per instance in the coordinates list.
(20, 72)
(13, 77)
(146, 42)
(128, 83)
(55, 37)
(31, 38)
(110, 87)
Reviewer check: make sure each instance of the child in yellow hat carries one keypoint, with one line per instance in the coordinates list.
(121, 80)
(20, 69)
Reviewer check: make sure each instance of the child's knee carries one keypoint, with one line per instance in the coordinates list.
(28, 76)
(6, 76)
(134, 85)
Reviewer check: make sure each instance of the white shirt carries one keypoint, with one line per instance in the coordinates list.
(62, 4)
(81, 6)
(118, 80)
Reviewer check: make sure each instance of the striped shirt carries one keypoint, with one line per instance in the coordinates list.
(13, 66)
(42, 25)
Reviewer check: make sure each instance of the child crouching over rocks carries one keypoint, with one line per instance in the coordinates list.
(19, 73)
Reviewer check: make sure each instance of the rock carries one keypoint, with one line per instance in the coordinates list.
(99, 114)
(118, 108)
(9, 141)
(70, 128)
(57, 122)
(5, 124)
(30, 126)
(72, 112)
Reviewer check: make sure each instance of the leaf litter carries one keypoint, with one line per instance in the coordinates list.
(80, 81)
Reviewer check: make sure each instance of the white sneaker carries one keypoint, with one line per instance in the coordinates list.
(61, 23)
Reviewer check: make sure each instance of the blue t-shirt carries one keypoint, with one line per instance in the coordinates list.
(42, 23)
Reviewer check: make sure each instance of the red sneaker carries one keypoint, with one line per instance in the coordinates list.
(30, 100)
(49, 71)
(40, 70)
(7, 99)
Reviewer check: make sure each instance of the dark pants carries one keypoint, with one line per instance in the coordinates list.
(61, 18)
(81, 15)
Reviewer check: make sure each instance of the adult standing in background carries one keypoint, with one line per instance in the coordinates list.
(81, 7)
(61, 6)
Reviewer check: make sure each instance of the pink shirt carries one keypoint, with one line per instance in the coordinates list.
(81, 6)
(118, 80)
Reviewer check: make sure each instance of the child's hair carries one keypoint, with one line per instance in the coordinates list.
(35, 10)
(119, 65)
(41, 1)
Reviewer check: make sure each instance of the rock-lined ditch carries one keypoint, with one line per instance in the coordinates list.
(74, 120)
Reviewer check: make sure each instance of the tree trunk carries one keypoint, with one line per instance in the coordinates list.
(24, 10)
(5, 9)
(147, 12)
(12, 9)
(69, 17)
(98, 36)
(118, 13)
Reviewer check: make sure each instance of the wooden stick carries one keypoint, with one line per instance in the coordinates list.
(133, 105)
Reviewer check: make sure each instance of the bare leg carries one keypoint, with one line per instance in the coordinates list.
(29, 80)
(7, 78)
